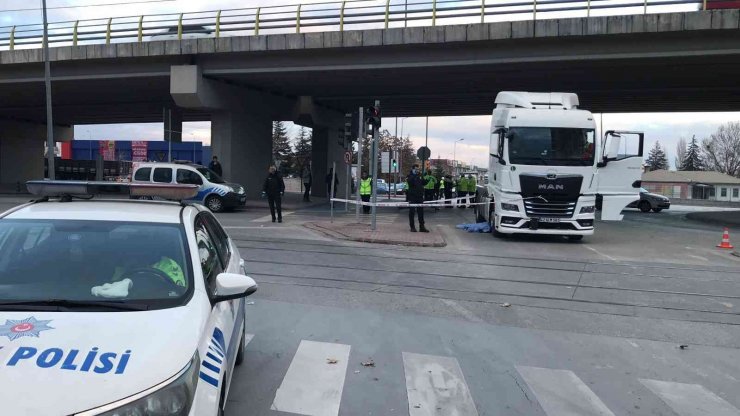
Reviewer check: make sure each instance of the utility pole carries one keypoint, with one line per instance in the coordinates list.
(50, 144)
(360, 141)
(426, 144)
(374, 163)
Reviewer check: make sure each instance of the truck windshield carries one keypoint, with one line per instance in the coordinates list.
(92, 264)
(551, 146)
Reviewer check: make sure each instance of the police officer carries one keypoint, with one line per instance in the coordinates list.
(462, 189)
(366, 189)
(415, 185)
(448, 184)
(430, 181)
(472, 188)
(273, 188)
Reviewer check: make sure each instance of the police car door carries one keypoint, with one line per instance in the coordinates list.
(226, 323)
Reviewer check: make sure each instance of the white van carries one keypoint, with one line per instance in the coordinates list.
(214, 192)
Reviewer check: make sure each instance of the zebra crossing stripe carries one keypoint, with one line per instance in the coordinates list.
(314, 381)
(435, 385)
(690, 399)
(562, 393)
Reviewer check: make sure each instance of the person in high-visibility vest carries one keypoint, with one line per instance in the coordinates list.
(366, 189)
(430, 181)
(462, 189)
(472, 188)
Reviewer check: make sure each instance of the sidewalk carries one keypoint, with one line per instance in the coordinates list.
(384, 233)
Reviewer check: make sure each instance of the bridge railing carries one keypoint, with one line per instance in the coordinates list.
(320, 16)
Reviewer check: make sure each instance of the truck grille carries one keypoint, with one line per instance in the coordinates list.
(539, 208)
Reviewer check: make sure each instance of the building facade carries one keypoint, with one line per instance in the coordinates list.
(710, 186)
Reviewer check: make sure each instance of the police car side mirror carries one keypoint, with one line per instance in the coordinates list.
(233, 286)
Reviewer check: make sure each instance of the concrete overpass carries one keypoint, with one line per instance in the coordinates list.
(638, 63)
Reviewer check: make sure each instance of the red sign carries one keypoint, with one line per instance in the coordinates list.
(108, 149)
(139, 151)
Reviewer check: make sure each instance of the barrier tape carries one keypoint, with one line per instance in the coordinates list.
(436, 203)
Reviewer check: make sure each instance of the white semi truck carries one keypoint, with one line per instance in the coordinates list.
(548, 170)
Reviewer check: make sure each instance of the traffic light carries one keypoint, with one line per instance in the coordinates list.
(394, 165)
(372, 116)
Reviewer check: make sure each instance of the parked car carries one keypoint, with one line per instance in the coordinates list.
(188, 32)
(650, 201)
(214, 192)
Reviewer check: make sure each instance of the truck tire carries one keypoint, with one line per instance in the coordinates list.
(644, 206)
(215, 203)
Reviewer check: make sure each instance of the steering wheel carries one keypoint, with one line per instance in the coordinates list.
(163, 280)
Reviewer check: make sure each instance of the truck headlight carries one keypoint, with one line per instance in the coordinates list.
(240, 190)
(509, 207)
(172, 398)
(588, 209)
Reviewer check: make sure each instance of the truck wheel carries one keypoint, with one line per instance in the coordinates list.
(657, 209)
(215, 203)
(644, 206)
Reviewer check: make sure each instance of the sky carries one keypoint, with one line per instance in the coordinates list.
(443, 131)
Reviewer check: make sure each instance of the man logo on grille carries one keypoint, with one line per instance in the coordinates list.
(551, 187)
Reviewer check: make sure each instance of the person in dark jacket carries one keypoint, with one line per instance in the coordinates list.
(448, 185)
(273, 188)
(307, 181)
(415, 195)
(215, 166)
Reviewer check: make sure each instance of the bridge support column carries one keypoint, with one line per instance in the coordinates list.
(242, 140)
(22, 152)
(325, 150)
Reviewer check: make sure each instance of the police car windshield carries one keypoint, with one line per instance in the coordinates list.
(89, 263)
(210, 175)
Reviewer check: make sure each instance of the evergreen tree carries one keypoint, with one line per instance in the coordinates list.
(692, 159)
(680, 153)
(302, 149)
(656, 158)
(282, 152)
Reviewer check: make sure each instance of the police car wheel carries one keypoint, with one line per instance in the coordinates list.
(215, 203)
(240, 351)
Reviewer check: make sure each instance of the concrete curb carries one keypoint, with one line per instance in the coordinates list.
(334, 234)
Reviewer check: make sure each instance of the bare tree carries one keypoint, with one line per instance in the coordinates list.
(721, 151)
(680, 154)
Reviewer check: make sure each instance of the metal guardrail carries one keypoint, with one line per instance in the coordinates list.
(320, 16)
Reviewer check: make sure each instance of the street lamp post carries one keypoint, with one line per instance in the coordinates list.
(454, 152)
(47, 84)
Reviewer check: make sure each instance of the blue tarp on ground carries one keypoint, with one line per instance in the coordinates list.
(480, 227)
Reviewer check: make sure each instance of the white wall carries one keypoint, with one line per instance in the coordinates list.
(730, 194)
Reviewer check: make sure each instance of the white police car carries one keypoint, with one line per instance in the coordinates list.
(213, 192)
(117, 307)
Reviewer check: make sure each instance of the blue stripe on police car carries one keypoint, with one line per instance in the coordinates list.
(212, 363)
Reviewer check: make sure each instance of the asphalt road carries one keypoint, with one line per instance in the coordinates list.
(517, 326)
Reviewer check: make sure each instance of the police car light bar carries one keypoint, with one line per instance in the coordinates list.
(47, 188)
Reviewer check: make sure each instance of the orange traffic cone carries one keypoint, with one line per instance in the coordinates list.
(725, 240)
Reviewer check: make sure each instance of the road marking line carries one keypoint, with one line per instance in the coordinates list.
(690, 399)
(248, 339)
(698, 257)
(470, 316)
(268, 218)
(436, 386)
(562, 393)
(600, 253)
(312, 386)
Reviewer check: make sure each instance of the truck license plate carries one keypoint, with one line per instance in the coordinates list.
(549, 219)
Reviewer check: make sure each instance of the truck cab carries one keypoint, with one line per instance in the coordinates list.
(547, 166)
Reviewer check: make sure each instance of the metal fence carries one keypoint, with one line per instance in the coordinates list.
(320, 16)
